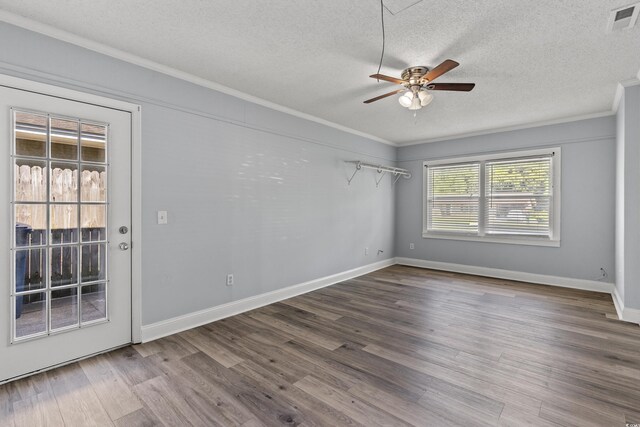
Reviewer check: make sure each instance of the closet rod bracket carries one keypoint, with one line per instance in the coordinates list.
(358, 167)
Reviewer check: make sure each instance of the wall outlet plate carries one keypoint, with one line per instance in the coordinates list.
(162, 217)
(412, 246)
(229, 279)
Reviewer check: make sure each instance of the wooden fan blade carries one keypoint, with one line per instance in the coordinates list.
(445, 67)
(387, 78)
(459, 87)
(369, 101)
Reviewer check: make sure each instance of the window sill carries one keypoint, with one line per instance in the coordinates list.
(531, 241)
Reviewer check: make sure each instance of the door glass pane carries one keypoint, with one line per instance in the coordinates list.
(64, 224)
(64, 139)
(31, 225)
(94, 262)
(64, 182)
(31, 314)
(64, 308)
(94, 234)
(93, 141)
(94, 184)
(93, 221)
(64, 265)
(38, 236)
(94, 302)
(30, 180)
(30, 134)
(30, 274)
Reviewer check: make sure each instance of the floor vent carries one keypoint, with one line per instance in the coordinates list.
(623, 18)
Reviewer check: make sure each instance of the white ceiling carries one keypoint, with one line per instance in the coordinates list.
(532, 61)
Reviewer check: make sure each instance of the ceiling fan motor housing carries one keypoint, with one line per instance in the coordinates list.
(413, 75)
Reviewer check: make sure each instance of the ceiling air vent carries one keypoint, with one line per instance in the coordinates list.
(623, 18)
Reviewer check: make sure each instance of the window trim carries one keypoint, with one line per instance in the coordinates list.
(519, 239)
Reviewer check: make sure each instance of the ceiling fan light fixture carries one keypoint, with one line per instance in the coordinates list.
(405, 99)
(425, 98)
(415, 104)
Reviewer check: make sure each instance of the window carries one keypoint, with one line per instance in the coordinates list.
(454, 198)
(509, 197)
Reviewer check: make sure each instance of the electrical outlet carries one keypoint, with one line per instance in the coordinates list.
(366, 251)
(229, 279)
(162, 217)
(412, 246)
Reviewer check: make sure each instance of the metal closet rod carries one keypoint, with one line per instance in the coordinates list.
(381, 168)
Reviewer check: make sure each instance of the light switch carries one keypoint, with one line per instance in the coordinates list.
(162, 217)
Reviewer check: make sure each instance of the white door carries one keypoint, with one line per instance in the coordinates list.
(65, 219)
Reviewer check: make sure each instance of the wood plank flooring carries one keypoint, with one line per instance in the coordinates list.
(401, 346)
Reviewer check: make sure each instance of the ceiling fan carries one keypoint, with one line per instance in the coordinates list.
(417, 84)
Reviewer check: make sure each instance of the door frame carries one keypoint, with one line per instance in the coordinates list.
(136, 177)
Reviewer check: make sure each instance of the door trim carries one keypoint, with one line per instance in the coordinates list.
(136, 177)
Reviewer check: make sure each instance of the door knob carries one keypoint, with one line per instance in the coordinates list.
(123, 246)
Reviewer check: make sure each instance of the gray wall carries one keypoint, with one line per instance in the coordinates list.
(271, 201)
(628, 197)
(588, 191)
(248, 190)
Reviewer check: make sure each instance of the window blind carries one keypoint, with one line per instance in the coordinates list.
(518, 196)
(453, 198)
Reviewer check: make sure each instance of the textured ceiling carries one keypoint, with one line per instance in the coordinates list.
(531, 61)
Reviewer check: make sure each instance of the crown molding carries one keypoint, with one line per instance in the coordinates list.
(620, 90)
(511, 128)
(65, 36)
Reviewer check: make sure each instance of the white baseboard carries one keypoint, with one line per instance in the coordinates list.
(631, 315)
(625, 313)
(617, 302)
(202, 317)
(543, 279)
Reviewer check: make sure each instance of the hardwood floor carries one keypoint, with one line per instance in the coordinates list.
(401, 346)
